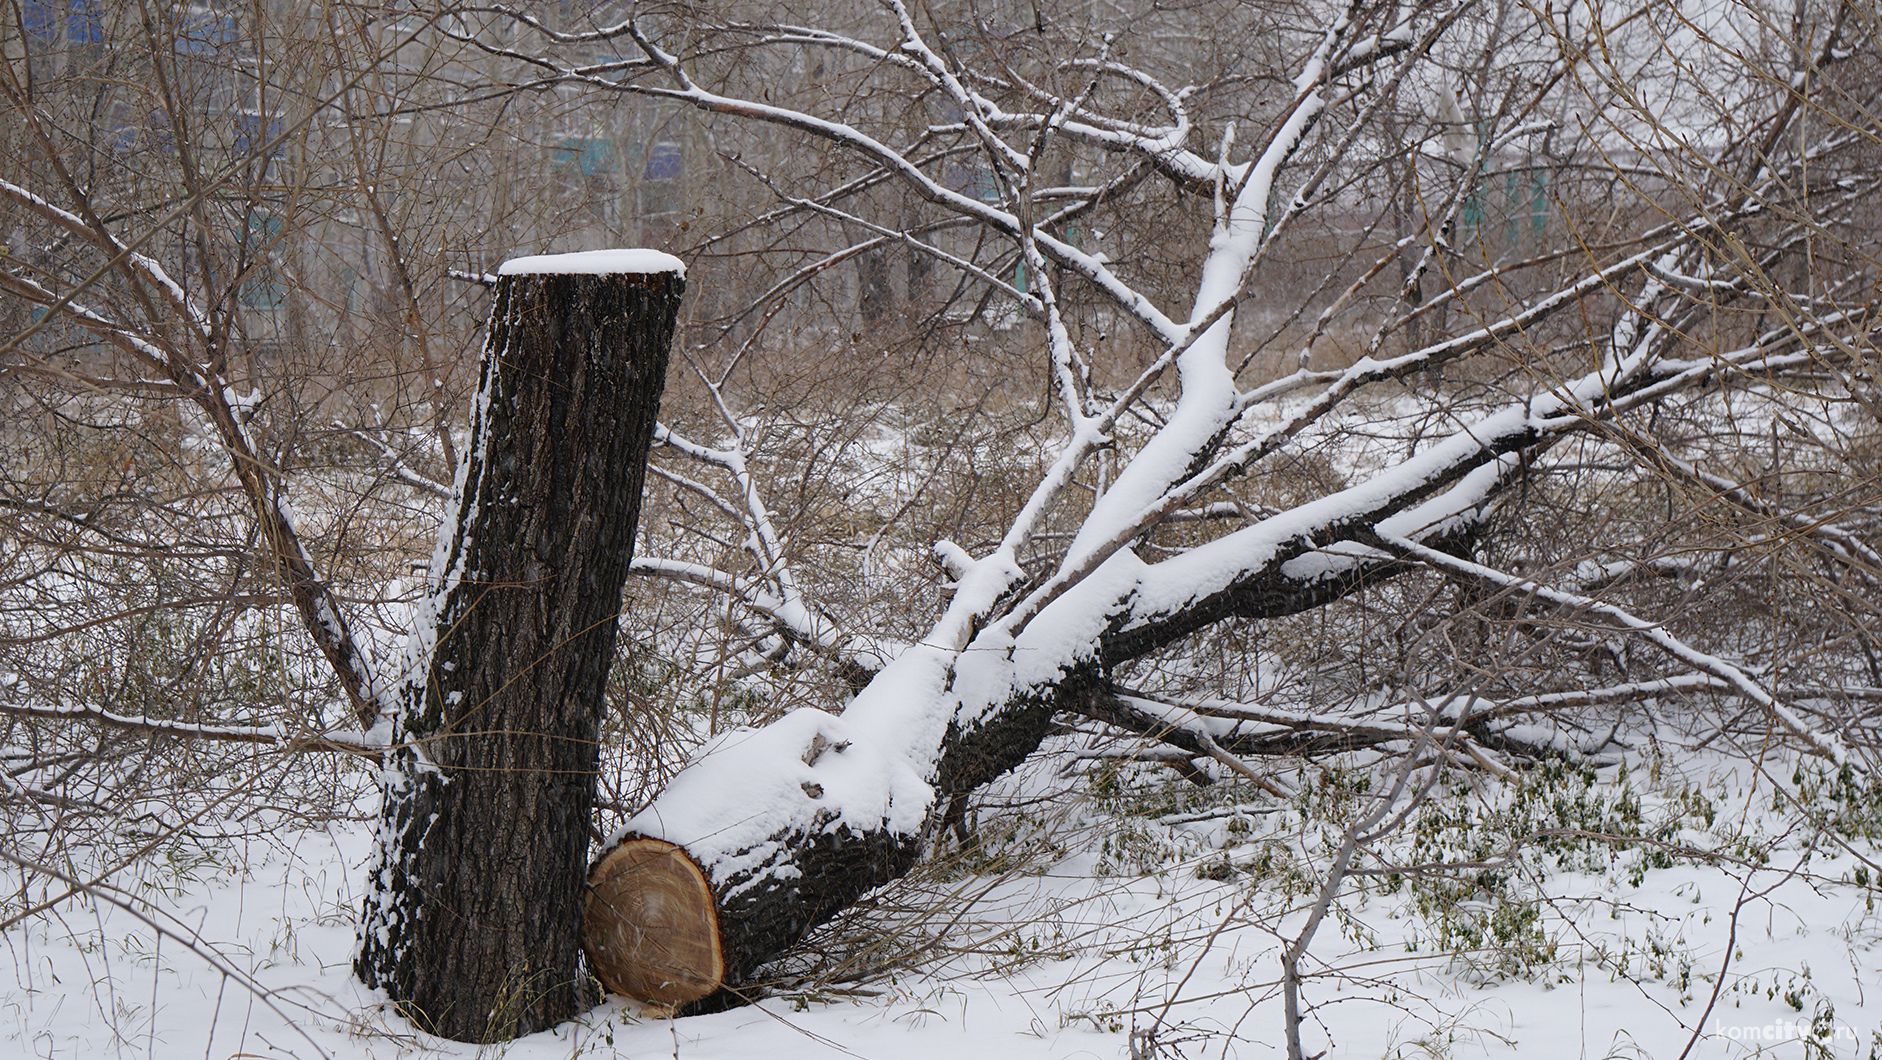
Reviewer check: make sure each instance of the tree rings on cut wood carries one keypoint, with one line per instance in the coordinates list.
(650, 927)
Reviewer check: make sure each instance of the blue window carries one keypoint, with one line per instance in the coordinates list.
(253, 133)
(580, 154)
(204, 31)
(83, 24)
(663, 161)
(40, 24)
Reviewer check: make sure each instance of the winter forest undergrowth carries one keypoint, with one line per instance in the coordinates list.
(1632, 908)
(1636, 885)
(1212, 529)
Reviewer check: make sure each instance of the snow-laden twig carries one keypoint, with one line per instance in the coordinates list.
(775, 592)
(799, 624)
(1204, 727)
(1699, 285)
(399, 466)
(273, 734)
(1655, 633)
(1070, 373)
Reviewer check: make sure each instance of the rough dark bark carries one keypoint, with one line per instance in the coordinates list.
(472, 920)
(762, 913)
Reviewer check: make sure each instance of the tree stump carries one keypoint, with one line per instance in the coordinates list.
(473, 917)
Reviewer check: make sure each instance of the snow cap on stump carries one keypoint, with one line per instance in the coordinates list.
(594, 262)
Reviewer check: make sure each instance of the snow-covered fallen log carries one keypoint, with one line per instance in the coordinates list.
(769, 832)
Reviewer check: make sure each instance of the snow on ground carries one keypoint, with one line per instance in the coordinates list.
(1098, 931)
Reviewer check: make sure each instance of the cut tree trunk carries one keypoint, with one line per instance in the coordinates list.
(774, 831)
(770, 832)
(472, 919)
(795, 822)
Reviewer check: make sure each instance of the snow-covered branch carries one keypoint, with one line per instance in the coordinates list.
(272, 735)
(1828, 745)
(195, 374)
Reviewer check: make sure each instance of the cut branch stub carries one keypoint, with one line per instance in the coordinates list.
(797, 820)
(650, 927)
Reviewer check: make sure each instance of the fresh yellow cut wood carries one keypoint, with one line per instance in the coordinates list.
(650, 927)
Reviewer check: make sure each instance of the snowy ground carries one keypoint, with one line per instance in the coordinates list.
(1096, 924)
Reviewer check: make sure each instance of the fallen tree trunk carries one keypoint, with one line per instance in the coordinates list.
(774, 830)
(471, 920)
(737, 860)
(771, 832)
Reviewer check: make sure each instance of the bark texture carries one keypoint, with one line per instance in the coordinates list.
(472, 920)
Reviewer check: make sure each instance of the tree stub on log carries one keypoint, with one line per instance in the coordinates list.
(650, 926)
